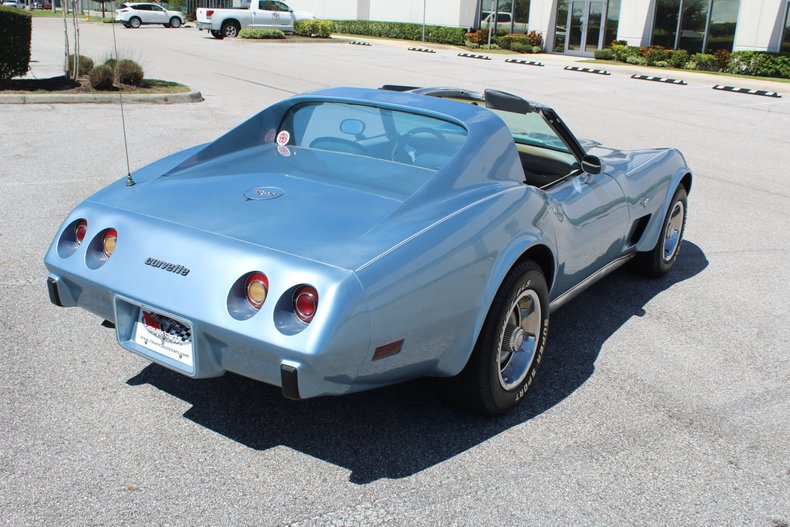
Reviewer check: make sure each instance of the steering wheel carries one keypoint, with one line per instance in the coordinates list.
(338, 144)
(402, 154)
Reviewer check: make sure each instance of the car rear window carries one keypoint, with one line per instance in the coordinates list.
(390, 135)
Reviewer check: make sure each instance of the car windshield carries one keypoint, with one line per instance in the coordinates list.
(370, 131)
(532, 129)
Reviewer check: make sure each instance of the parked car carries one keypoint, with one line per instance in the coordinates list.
(350, 238)
(13, 3)
(42, 5)
(256, 14)
(134, 15)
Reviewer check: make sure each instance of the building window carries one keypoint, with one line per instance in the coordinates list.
(520, 16)
(785, 48)
(697, 26)
(511, 15)
(612, 23)
(723, 19)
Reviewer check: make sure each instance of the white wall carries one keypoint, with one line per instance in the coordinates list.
(327, 9)
(760, 25)
(636, 21)
(437, 12)
(541, 17)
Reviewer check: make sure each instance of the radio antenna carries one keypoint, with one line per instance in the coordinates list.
(129, 180)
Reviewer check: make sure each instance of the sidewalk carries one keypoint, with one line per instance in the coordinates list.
(615, 68)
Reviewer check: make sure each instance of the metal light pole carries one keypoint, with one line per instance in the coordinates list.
(424, 3)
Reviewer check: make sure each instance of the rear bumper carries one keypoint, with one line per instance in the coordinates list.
(301, 372)
(204, 25)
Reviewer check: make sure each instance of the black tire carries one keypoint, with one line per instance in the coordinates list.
(230, 29)
(126, 25)
(175, 22)
(658, 261)
(484, 385)
(217, 34)
(135, 22)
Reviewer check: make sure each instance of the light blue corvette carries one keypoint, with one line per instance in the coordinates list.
(351, 238)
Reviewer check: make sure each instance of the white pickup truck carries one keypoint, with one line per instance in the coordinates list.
(252, 14)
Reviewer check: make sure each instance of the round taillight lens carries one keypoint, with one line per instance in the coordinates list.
(256, 288)
(79, 231)
(109, 241)
(305, 303)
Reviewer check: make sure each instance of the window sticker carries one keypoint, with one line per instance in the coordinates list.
(283, 138)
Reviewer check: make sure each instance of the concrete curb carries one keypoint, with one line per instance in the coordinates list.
(96, 98)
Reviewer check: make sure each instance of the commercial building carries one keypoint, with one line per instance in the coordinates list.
(579, 27)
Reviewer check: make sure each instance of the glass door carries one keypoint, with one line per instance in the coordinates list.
(584, 25)
(592, 37)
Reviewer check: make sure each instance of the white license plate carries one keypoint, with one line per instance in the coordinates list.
(164, 335)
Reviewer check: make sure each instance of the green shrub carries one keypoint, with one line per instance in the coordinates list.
(622, 52)
(101, 77)
(480, 37)
(507, 41)
(129, 72)
(703, 61)
(661, 64)
(653, 54)
(678, 58)
(520, 47)
(721, 59)
(15, 31)
(636, 59)
(438, 34)
(604, 54)
(261, 33)
(537, 49)
(762, 63)
(470, 44)
(85, 65)
(314, 28)
(111, 62)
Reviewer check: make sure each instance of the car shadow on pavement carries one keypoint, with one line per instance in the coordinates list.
(397, 431)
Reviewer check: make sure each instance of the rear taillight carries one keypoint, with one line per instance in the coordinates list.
(108, 242)
(256, 287)
(209, 13)
(79, 231)
(305, 303)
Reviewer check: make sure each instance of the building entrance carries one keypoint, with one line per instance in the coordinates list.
(580, 27)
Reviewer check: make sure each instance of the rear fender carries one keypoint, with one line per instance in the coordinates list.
(452, 363)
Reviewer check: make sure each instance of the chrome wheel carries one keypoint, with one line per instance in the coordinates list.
(135, 22)
(673, 231)
(519, 339)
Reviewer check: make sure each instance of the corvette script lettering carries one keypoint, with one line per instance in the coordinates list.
(165, 266)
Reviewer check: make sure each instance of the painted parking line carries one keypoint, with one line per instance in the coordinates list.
(422, 50)
(747, 91)
(525, 62)
(474, 56)
(360, 43)
(587, 70)
(678, 82)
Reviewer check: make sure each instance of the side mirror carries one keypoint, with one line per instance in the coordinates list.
(591, 164)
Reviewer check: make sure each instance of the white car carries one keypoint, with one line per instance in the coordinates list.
(13, 3)
(251, 14)
(135, 15)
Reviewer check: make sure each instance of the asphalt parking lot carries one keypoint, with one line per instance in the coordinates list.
(658, 402)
